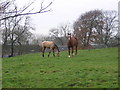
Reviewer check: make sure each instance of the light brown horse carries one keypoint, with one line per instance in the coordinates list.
(51, 45)
(72, 42)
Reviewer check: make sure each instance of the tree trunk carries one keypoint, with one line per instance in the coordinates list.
(12, 49)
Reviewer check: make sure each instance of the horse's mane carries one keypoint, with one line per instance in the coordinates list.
(57, 47)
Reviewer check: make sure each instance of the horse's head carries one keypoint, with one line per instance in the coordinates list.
(57, 50)
(58, 53)
(69, 34)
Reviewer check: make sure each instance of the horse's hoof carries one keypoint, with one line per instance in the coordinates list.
(69, 56)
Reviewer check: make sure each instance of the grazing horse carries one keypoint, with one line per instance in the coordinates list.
(51, 45)
(72, 42)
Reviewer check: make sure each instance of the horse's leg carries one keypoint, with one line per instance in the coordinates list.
(49, 52)
(53, 52)
(43, 49)
(72, 51)
(76, 50)
(69, 51)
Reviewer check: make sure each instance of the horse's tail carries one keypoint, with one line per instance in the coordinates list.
(41, 44)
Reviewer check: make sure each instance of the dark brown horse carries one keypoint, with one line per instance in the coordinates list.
(72, 42)
(51, 45)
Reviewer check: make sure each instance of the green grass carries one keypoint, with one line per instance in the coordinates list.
(89, 69)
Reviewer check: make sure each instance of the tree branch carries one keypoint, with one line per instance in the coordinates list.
(42, 10)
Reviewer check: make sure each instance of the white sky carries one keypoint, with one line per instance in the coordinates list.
(66, 11)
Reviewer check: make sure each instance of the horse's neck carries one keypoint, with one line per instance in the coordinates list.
(70, 37)
(56, 47)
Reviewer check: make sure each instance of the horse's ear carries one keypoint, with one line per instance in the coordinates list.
(69, 33)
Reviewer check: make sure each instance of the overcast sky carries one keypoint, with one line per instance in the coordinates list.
(66, 11)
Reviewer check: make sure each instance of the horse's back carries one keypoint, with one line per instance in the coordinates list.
(75, 41)
(47, 44)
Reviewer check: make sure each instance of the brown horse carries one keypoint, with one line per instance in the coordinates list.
(72, 42)
(51, 45)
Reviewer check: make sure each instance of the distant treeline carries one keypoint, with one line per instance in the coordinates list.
(19, 50)
(24, 49)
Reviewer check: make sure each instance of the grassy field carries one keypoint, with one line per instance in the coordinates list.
(89, 69)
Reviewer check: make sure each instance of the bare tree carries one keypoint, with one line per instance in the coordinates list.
(60, 32)
(64, 29)
(95, 26)
(85, 25)
(13, 31)
(110, 25)
(16, 34)
(55, 34)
